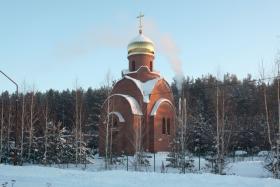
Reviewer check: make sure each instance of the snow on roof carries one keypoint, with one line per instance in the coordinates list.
(157, 104)
(145, 88)
(134, 105)
(127, 71)
(119, 115)
(141, 38)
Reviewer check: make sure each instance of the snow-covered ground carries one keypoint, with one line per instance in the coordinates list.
(38, 176)
(246, 171)
(246, 166)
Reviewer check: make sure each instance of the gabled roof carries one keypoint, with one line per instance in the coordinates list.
(145, 88)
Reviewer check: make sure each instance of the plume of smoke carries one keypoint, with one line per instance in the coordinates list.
(168, 47)
(119, 37)
(171, 51)
(89, 41)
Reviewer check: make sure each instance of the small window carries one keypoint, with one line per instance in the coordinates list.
(168, 126)
(133, 65)
(151, 65)
(115, 123)
(163, 126)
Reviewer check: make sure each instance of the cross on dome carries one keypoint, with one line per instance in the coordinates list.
(141, 44)
(140, 22)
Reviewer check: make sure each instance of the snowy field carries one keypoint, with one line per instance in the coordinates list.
(248, 169)
(241, 172)
(38, 176)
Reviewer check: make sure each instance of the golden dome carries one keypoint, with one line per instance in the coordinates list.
(141, 45)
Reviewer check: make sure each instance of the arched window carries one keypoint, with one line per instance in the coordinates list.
(163, 126)
(133, 65)
(168, 126)
(115, 123)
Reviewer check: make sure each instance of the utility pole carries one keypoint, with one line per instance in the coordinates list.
(16, 118)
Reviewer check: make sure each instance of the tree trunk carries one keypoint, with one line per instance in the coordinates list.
(218, 132)
(9, 126)
(222, 132)
(22, 127)
(31, 125)
(80, 126)
(278, 136)
(266, 117)
(1, 131)
(46, 134)
(107, 121)
(76, 127)
(262, 73)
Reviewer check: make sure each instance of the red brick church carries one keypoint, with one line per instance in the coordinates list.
(139, 114)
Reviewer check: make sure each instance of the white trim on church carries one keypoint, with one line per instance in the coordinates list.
(134, 105)
(157, 104)
(119, 115)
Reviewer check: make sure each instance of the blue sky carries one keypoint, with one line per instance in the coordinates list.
(52, 43)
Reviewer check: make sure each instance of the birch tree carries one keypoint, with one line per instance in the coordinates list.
(218, 131)
(76, 124)
(2, 129)
(33, 118)
(277, 165)
(80, 145)
(22, 124)
(46, 121)
(9, 125)
(222, 136)
(262, 74)
(108, 88)
(220, 126)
